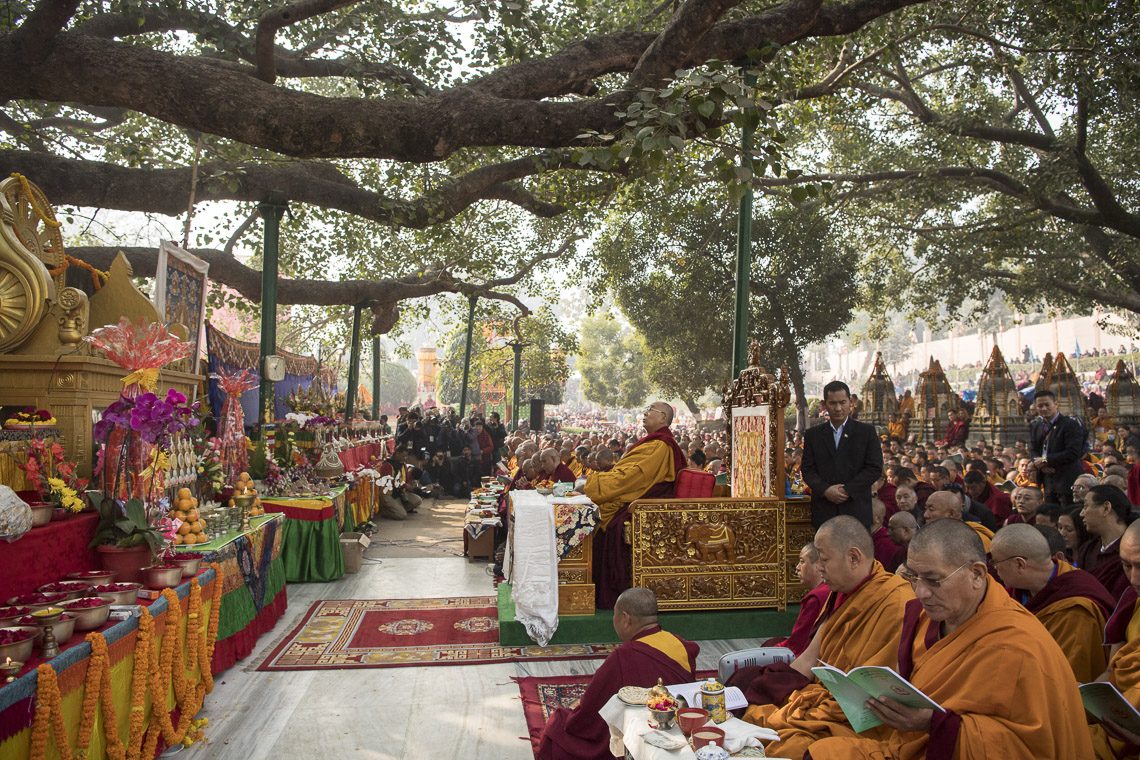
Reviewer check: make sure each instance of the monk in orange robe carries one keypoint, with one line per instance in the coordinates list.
(1072, 604)
(863, 617)
(1122, 633)
(1004, 684)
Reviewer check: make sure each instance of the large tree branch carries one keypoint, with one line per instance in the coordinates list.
(164, 191)
(279, 18)
(671, 48)
(382, 296)
(34, 39)
(197, 95)
(1129, 301)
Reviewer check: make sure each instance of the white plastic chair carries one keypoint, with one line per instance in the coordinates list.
(758, 657)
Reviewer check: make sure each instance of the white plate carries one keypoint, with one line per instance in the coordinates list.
(633, 695)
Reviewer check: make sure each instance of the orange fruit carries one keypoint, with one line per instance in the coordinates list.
(183, 529)
(183, 493)
(178, 540)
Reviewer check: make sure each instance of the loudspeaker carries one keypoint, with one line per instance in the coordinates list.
(537, 407)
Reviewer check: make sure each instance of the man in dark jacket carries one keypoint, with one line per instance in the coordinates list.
(1057, 444)
(842, 460)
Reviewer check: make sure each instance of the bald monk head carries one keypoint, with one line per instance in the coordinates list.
(902, 526)
(658, 415)
(634, 610)
(878, 513)
(605, 459)
(846, 553)
(1022, 558)
(946, 565)
(549, 460)
(1130, 554)
(941, 505)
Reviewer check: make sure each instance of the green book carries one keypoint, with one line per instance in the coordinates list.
(1104, 701)
(853, 688)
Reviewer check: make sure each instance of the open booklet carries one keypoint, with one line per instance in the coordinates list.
(691, 692)
(1103, 700)
(853, 688)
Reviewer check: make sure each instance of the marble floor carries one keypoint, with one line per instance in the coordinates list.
(441, 713)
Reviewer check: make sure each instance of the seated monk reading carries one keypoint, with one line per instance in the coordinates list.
(811, 605)
(645, 654)
(859, 626)
(1007, 690)
(646, 471)
(1122, 633)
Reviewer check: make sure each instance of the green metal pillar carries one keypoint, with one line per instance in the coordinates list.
(517, 347)
(743, 255)
(353, 365)
(467, 355)
(376, 378)
(271, 213)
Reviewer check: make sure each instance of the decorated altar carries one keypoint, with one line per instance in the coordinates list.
(143, 676)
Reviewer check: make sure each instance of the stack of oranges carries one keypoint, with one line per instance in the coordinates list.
(193, 527)
(245, 484)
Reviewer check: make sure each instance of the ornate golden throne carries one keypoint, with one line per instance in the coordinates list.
(727, 553)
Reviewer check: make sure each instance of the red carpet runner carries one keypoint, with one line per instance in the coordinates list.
(393, 633)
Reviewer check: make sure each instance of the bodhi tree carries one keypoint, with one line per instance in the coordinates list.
(613, 362)
(978, 148)
(408, 116)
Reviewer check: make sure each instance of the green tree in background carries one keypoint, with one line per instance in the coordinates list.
(613, 361)
(544, 359)
(398, 385)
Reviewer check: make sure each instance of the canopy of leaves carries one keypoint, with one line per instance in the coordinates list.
(613, 361)
(397, 385)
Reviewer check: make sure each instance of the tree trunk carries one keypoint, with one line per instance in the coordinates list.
(796, 372)
(691, 404)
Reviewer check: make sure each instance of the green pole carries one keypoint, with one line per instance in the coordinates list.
(743, 254)
(517, 347)
(353, 365)
(376, 377)
(467, 355)
(271, 213)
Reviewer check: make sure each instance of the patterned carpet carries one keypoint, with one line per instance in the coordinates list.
(393, 633)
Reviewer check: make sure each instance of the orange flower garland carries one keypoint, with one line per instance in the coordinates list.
(158, 670)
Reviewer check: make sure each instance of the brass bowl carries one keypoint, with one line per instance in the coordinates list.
(72, 589)
(94, 577)
(62, 629)
(90, 618)
(127, 596)
(42, 514)
(162, 577)
(19, 650)
(189, 565)
(663, 718)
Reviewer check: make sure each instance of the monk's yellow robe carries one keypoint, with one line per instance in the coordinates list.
(1124, 673)
(635, 473)
(1073, 607)
(863, 630)
(896, 430)
(576, 467)
(906, 406)
(983, 532)
(513, 466)
(1008, 690)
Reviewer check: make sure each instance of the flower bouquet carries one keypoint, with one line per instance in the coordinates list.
(231, 427)
(52, 476)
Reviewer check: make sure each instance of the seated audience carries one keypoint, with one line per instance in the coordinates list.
(1106, 513)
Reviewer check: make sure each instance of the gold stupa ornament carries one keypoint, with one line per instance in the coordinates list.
(1122, 395)
(998, 417)
(1062, 380)
(879, 399)
(933, 401)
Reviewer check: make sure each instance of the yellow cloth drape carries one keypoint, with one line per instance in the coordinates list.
(634, 474)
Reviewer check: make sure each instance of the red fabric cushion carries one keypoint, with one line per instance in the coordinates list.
(694, 484)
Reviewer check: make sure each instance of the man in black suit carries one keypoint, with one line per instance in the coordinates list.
(1057, 444)
(842, 460)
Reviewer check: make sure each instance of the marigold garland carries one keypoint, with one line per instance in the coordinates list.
(158, 670)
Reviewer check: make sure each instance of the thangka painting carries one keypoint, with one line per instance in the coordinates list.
(751, 452)
(180, 295)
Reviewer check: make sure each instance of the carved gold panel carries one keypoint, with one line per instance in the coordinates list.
(711, 553)
(576, 599)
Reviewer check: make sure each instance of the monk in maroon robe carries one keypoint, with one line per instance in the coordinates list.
(811, 605)
(646, 654)
(647, 471)
(552, 469)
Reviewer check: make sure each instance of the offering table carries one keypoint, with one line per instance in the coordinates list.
(311, 536)
(47, 553)
(18, 700)
(253, 585)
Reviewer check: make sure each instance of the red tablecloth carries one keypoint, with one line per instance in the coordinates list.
(47, 554)
(361, 455)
